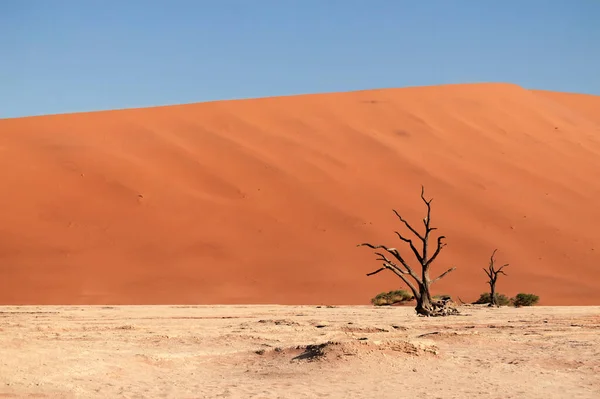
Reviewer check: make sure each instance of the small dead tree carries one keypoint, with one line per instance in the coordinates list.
(492, 274)
(418, 281)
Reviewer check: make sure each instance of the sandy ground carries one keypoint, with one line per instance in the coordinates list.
(264, 200)
(266, 352)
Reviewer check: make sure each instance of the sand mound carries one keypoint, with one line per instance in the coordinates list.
(336, 350)
(264, 201)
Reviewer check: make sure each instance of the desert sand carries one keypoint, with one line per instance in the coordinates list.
(298, 352)
(263, 201)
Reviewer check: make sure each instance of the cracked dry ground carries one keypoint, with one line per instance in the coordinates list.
(298, 352)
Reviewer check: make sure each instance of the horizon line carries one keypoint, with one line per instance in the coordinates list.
(299, 94)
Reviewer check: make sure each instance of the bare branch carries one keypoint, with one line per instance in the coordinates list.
(388, 264)
(489, 274)
(392, 251)
(415, 232)
(427, 202)
(440, 245)
(427, 220)
(500, 270)
(492, 257)
(396, 254)
(376, 271)
(443, 274)
(392, 265)
(410, 285)
(492, 269)
(412, 247)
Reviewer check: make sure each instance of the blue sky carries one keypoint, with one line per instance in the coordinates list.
(73, 55)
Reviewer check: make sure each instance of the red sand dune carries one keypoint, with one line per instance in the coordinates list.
(264, 201)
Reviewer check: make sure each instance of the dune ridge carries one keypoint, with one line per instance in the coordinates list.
(264, 200)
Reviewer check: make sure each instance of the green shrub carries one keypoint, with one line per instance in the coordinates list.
(523, 299)
(392, 297)
(441, 297)
(501, 299)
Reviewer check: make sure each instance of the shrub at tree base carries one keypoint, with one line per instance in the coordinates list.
(391, 298)
(518, 301)
(523, 299)
(485, 298)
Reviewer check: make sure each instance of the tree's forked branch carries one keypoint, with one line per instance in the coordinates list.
(412, 246)
(427, 219)
(396, 254)
(489, 274)
(501, 271)
(440, 245)
(491, 268)
(392, 251)
(426, 201)
(412, 229)
(388, 264)
(492, 257)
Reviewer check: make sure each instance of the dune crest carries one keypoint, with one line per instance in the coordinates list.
(264, 201)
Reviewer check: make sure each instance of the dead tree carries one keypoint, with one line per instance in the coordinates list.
(492, 274)
(418, 281)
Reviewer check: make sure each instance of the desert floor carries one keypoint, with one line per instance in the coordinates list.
(266, 352)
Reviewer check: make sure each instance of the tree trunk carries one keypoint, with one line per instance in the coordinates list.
(424, 304)
(493, 299)
(430, 308)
